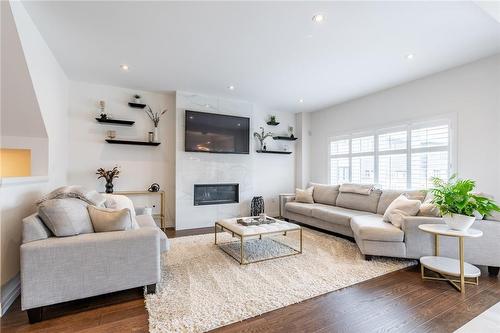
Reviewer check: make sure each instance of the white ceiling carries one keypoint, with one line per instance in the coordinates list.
(272, 52)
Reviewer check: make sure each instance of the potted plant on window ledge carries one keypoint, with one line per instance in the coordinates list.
(457, 204)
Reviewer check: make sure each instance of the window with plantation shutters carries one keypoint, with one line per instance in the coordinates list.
(405, 157)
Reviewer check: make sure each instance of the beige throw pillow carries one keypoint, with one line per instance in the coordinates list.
(399, 208)
(305, 196)
(105, 219)
(428, 208)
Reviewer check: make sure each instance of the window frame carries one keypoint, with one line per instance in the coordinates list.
(408, 127)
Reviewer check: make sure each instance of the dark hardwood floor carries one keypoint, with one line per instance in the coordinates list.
(395, 302)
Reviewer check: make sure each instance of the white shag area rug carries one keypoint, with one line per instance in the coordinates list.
(203, 288)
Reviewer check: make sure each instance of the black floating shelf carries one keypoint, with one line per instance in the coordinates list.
(129, 142)
(274, 152)
(285, 138)
(272, 124)
(115, 122)
(137, 105)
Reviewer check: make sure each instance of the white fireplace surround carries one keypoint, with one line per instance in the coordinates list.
(257, 174)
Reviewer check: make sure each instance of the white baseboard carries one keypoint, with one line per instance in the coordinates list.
(9, 292)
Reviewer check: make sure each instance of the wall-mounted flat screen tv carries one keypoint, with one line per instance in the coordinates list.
(216, 133)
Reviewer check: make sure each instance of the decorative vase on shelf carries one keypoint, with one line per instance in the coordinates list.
(109, 187)
(155, 134)
(257, 206)
(458, 221)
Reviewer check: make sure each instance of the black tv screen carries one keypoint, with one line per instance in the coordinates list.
(217, 133)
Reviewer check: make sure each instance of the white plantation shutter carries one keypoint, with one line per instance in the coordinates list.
(429, 155)
(406, 157)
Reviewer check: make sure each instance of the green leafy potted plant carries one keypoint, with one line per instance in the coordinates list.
(458, 204)
(272, 121)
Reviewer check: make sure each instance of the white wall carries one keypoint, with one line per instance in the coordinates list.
(258, 174)
(50, 85)
(303, 174)
(140, 165)
(472, 92)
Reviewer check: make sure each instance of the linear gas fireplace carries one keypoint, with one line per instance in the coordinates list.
(216, 194)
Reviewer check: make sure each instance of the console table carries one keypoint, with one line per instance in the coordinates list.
(160, 216)
(447, 268)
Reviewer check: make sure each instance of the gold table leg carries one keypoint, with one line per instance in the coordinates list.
(242, 251)
(300, 240)
(436, 245)
(462, 273)
(215, 232)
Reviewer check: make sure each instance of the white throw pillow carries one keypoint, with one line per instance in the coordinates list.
(399, 208)
(305, 196)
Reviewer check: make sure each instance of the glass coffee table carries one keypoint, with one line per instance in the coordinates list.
(259, 233)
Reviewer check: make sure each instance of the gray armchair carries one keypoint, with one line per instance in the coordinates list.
(61, 269)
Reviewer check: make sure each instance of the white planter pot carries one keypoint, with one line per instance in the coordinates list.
(459, 222)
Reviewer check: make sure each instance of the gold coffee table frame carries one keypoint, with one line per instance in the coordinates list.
(242, 238)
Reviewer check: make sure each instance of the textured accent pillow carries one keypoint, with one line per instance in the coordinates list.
(356, 188)
(399, 208)
(105, 219)
(65, 217)
(305, 196)
(91, 197)
(117, 202)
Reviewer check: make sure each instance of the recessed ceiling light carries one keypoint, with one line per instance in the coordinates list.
(318, 18)
(230, 87)
(207, 105)
(410, 56)
(124, 67)
(301, 100)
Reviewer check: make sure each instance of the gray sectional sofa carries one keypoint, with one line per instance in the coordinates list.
(360, 216)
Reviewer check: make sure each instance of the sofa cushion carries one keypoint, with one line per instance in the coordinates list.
(372, 227)
(388, 196)
(367, 203)
(305, 196)
(337, 215)
(65, 217)
(325, 194)
(299, 208)
(106, 219)
(364, 189)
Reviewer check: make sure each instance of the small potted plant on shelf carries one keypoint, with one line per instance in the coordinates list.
(137, 99)
(457, 204)
(272, 121)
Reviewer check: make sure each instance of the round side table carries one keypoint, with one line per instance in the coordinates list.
(447, 268)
